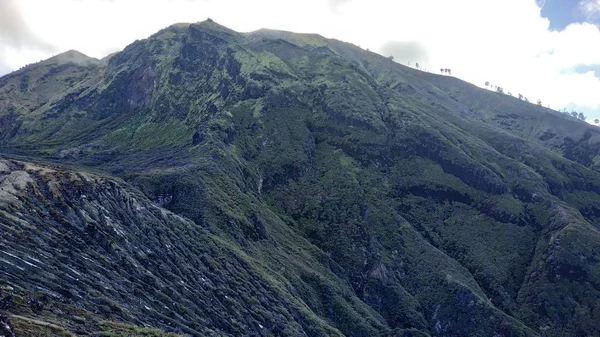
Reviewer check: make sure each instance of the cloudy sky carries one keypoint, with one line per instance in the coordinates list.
(548, 50)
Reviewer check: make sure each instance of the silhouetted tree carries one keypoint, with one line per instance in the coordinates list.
(596, 121)
(520, 96)
(391, 57)
(509, 93)
(581, 116)
(487, 84)
(417, 65)
(449, 71)
(574, 114)
(526, 99)
(442, 70)
(539, 102)
(500, 90)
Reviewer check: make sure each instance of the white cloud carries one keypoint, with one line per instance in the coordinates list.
(591, 8)
(17, 38)
(506, 42)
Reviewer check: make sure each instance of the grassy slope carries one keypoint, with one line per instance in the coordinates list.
(377, 197)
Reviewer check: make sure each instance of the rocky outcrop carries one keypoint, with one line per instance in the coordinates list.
(91, 242)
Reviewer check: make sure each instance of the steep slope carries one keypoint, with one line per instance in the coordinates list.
(26, 92)
(106, 252)
(347, 193)
(575, 140)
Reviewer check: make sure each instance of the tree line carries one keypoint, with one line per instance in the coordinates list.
(574, 114)
(446, 71)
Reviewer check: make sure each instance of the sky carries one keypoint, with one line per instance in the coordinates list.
(543, 49)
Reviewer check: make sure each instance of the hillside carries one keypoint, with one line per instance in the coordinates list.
(213, 183)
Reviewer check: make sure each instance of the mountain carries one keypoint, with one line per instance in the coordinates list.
(212, 183)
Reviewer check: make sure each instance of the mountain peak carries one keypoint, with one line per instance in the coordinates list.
(210, 24)
(73, 56)
(299, 39)
(207, 25)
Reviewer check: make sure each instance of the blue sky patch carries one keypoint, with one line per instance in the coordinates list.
(561, 13)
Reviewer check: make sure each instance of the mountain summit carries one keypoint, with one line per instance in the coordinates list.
(212, 183)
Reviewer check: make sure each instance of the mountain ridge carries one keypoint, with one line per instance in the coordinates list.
(354, 195)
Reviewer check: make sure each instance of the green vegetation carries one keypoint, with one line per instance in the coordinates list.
(281, 184)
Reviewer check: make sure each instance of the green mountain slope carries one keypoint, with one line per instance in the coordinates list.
(296, 186)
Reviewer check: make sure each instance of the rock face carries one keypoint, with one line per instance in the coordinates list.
(282, 184)
(88, 241)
